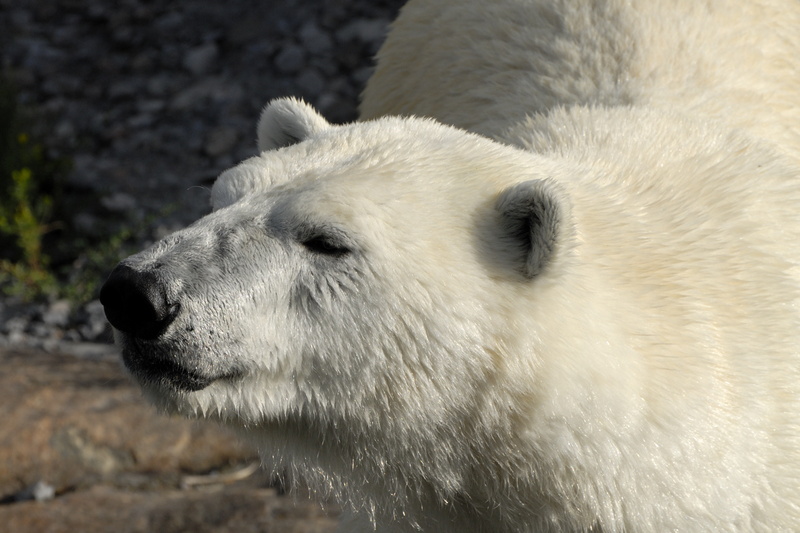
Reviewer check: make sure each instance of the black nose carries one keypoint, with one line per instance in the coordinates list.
(136, 302)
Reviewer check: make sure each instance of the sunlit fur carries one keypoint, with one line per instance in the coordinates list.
(642, 373)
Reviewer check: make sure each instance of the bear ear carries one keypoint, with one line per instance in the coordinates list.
(288, 121)
(533, 217)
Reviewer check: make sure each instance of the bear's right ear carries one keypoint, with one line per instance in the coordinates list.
(288, 121)
(534, 217)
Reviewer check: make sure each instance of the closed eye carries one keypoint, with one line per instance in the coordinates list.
(325, 245)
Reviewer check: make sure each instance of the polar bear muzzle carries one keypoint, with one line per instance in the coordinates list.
(137, 304)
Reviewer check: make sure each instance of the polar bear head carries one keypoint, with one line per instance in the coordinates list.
(351, 279)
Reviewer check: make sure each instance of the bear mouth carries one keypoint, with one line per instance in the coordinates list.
(152, 369)
(149, 366)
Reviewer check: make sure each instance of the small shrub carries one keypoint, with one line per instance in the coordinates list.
(35, 213)
(25, 209)
(21, 220)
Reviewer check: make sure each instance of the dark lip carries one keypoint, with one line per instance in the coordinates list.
(154, 369)
(151, 362)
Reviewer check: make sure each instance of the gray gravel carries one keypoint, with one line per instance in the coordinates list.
(152, 100)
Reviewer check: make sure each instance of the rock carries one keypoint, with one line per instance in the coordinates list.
(161, 85)
(65, 129)
(94, 323)
(170, 21)
(220, 141)
(315, 40)
(143, 62)
(106, 509)
(40, 491)
(151, 105)
(57, 314)
(81, 451)
(16, 338)
(142, 121)
(201, 60)
(124, 89)
(86, 223)
(311, 83)
(291, 59)
(210, 90)
(119, 201)
(349, 54)
(367, 31)
(76, 421)
(16, 324)
(65, 35)
(21, 18)
(40, 330)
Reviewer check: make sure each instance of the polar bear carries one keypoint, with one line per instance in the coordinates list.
(561, 294)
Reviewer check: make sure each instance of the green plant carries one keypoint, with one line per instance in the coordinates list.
(22, 219)
(25, 208)
(41, 256)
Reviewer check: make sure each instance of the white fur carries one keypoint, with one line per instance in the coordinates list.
(590, 325)
(733, 61)
(287, 122)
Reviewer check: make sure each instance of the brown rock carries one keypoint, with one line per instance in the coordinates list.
(81, 427)
(105, 509)
(70, 421)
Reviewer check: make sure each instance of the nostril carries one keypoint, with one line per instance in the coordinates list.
(135, 302)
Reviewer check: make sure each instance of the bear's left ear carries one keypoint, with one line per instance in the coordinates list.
(288, 121)
(534, 218)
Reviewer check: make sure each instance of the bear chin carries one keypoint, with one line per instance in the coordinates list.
(148, 364)
(165, 372)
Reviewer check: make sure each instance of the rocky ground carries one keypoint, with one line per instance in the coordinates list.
(80, 452)
(150, 100)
